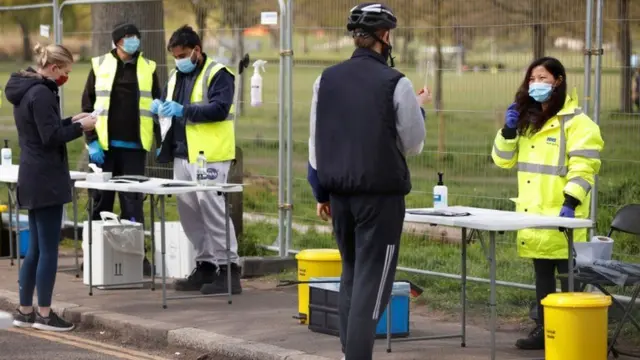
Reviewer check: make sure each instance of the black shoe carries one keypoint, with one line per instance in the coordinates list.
(219, 284)
(535, 340)
(146, 268)
(52, 323)
(204, 273)
(24, 320)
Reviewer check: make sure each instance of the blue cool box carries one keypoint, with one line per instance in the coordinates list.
(323, 309)
(23, 226)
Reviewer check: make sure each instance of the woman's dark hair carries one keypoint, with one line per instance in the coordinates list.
(532, 115)
(186, 37)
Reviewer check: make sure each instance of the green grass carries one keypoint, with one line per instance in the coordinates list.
(473, 108)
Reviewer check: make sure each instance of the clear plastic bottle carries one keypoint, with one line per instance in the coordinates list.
(201, 173)
(6, 154)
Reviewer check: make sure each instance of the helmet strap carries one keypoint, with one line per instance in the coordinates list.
(386, 49)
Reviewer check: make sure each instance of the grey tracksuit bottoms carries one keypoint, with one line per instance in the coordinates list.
(368, 230)
(202, 214)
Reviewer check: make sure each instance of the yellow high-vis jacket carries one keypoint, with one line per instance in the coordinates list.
(562, 158)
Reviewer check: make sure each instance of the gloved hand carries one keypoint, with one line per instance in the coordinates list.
(155, 106)
(158, 152)
(171, 109)
(511, 117)
(567, 212)
(96, 155)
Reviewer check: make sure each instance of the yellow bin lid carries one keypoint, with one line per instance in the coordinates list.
(577, 300)
(319, 255)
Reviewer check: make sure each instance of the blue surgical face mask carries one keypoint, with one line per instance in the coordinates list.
(540, 91)
(186, 65)
(131, 45)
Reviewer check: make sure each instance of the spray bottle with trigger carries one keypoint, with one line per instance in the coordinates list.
(256, 83)
(440, 194)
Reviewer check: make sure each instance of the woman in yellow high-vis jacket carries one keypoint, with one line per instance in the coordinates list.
(556, 149)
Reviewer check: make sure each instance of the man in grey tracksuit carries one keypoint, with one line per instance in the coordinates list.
(365, 119)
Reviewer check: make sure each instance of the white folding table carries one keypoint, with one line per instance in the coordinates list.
(9, 176)
(161, 188)
(492, 221)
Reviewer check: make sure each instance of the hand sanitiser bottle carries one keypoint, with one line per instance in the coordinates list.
(440, 194)
(6, 154)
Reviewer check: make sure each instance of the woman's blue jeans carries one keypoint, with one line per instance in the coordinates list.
(41, 262)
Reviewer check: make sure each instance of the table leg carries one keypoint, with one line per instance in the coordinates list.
(90, 242)
(570, 275)
(463, 274)
(152, 212)
(228, 243)
(389, 326)
(76, 241)
(17, 207)
(10, 224)
(492, 297)
(163, 248)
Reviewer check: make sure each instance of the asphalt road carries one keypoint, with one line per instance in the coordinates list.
(30, 344)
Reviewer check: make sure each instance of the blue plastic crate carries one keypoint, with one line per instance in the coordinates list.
(323, 308)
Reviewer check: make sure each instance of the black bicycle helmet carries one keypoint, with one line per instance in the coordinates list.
(371, 16)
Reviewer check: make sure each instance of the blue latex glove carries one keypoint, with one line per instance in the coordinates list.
(155, 106)
(158, 152)
(96, 155)
(567, 212)
(171, 109)
(511, 117)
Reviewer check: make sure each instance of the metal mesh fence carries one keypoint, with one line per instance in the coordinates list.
(472, 54)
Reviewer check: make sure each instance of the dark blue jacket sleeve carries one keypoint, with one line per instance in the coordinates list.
(321, 195)
(220, 97)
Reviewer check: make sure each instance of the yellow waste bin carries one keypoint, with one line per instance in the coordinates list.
(576, 326)
(314, 263)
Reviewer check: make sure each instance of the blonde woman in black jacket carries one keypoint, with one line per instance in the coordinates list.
(43, 177)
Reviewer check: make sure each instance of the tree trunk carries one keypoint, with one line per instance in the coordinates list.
(238, 54)
(147, 16)
(539, 30)
(27, 52)
(624, 44)
(201, 21)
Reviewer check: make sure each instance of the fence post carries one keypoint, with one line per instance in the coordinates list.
(289, 92)
(281, 134)
(596, 107)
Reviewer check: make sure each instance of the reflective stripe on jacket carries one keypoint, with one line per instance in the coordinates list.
(105, 67)
(562, 158)
(216, 139)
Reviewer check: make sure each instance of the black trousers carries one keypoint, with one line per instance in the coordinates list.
(367, 230)
(546, 281)
(121, 162)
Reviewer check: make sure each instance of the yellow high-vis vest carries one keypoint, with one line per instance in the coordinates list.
(105, 67)
(216, 139)
(562, 158)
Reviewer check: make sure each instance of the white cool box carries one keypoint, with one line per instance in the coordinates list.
(179, 253)
(118, 250)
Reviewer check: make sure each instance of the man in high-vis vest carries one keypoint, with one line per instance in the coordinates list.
(199, 99)
(122, 85)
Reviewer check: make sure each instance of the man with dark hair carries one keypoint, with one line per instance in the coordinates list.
(365, 119)
(199, 99)
(122, 85)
